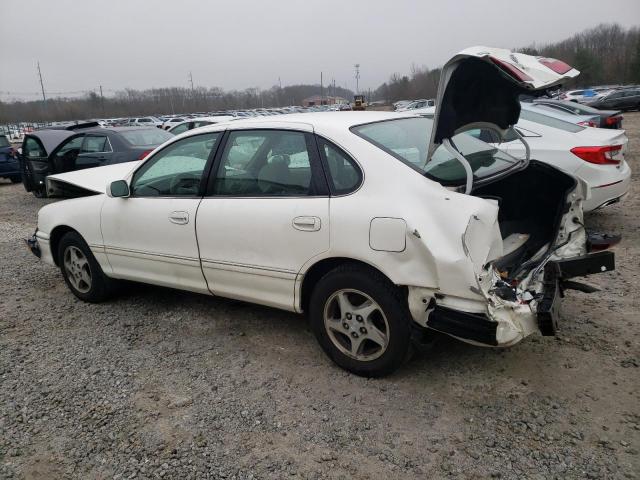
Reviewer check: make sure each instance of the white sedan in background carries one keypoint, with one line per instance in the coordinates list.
(380, 226)
(594, 155)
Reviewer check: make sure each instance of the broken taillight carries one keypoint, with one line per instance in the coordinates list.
(512, 70)
(599, 155)
(557, 66)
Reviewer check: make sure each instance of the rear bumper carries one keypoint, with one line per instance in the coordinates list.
(480, 328)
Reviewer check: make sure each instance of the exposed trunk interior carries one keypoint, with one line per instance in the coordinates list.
(532, 202)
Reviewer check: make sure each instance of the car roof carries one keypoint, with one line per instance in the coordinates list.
(330, 119)
(51, 138)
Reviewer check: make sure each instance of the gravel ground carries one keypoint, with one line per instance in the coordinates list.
(165, 384)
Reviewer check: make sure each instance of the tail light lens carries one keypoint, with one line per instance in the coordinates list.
(587, 124)
(612, 120)
(557, 66)
(144, 154)
(512, 70)
(599, 155)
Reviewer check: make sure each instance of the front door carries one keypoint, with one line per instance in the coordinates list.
(265, 215)
(150, 236)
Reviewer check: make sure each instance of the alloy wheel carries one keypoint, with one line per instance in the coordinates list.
(77, 268)
(356, 324)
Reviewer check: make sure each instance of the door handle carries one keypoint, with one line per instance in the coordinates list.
(307, 224)
(179, 217)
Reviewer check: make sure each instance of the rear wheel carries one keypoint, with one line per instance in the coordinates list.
(15, 179)
(361, 320)
(81, 271)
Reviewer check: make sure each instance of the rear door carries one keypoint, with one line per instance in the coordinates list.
(265, 215)
(96, 151)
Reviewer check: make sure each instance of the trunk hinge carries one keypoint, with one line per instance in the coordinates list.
(467, 168)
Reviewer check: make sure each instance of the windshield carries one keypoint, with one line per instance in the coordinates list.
(145, 137)
(407, 139)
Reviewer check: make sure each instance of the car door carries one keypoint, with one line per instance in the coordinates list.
(96, 151)
(150, 236)
(265, 215)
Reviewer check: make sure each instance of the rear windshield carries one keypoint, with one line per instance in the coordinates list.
(3, 141)
(146, 137)
(407, 139)
(550, 121)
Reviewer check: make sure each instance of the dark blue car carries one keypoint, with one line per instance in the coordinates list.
(9, 164)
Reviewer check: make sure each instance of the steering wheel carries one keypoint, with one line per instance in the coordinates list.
(184, 184)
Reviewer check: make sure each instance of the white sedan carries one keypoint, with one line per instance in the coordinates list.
(595, 155)
(380, 226)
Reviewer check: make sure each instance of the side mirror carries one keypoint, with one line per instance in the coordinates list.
(119, 189)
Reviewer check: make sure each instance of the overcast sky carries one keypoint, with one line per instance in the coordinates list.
(235, 44)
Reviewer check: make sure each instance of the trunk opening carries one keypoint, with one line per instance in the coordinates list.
(532, 203)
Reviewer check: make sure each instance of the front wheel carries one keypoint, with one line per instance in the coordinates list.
(361, 320)
(81, 271)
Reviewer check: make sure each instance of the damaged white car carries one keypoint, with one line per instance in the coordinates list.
(380, 226)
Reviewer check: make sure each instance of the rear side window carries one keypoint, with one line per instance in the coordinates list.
(95, 144)
(143, 137)
(344, 174)
(550, 121)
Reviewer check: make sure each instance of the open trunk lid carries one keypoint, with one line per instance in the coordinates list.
(480, 88)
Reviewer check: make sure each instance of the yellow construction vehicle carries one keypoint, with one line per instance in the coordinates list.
(359, 103)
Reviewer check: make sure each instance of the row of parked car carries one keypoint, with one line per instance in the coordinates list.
(606, 97)
(465, 219)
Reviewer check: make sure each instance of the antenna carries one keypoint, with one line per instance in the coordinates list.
(357, 67)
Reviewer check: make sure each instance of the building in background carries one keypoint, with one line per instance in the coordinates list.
(324, 100)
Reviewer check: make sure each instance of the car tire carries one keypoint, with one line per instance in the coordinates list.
(81, 271)
(15, 179)
(361, 320)
(40, 192)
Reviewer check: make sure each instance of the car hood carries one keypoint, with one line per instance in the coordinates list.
(480, 87)
(92, 179)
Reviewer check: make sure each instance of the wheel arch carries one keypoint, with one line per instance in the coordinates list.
(54, 239)
(319, 269)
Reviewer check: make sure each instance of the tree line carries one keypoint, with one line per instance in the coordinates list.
(605, 54)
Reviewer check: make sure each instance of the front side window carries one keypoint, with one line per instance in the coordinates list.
(177, 170)
(344, 175)
(265, 163)
(70, 147)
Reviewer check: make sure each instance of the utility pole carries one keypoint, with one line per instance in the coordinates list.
(357, 66)
(44, 98)
(321, 91)
(102, 100)
(191, 80)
